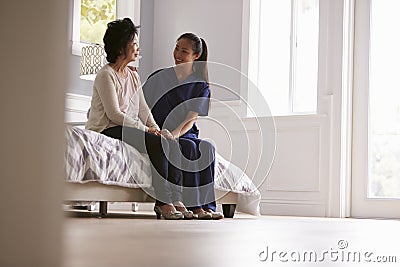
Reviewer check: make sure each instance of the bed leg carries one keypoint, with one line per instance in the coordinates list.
(228, 210)
(103, 208)
(83, 207)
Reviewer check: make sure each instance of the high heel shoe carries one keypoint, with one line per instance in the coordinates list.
(169, 215)
(187, 214)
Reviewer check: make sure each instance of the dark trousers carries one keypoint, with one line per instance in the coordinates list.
(166, 178)
(198, 173)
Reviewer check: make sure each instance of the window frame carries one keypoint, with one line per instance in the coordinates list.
(125, 8)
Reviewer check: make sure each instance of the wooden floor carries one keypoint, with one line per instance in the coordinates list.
(141, 240)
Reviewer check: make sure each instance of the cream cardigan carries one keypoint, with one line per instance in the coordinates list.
(105, 108)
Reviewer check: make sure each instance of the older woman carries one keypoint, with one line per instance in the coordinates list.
(119, 110)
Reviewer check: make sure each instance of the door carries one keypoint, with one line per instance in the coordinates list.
(376, 110)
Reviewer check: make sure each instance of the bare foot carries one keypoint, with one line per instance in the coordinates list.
(179, 206)
(216, 214)
(202, 214)
(167, 208)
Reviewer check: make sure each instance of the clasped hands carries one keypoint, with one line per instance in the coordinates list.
(164, 133)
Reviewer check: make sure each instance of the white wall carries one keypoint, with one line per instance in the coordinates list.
(218, 22)
(146, 38)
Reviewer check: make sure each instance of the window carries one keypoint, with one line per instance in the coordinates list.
(90, 18)
(283, 57)
(94, 18)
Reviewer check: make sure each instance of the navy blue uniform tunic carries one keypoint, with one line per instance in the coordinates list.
(170, 101)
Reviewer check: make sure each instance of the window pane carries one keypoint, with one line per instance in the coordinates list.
(274, 53)
(306, 56)
(287, 63)
(384, 97)
(95, 14)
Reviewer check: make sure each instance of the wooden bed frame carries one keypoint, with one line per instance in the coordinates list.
(96, 192)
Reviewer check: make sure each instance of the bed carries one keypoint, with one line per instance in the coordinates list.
(102, 169)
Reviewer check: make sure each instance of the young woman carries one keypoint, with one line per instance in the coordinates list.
(119, 110)
(177, 96)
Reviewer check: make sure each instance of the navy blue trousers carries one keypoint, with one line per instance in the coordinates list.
(166, 178)
(198, 173)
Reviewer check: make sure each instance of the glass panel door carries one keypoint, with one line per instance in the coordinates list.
(376, 140)
(384, 100)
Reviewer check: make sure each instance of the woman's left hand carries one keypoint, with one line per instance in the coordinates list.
(167, 134)
(154, 131)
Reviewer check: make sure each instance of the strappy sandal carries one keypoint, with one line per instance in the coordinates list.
(216, 215)
(187, 214)
(169, 215)
(203, 215)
